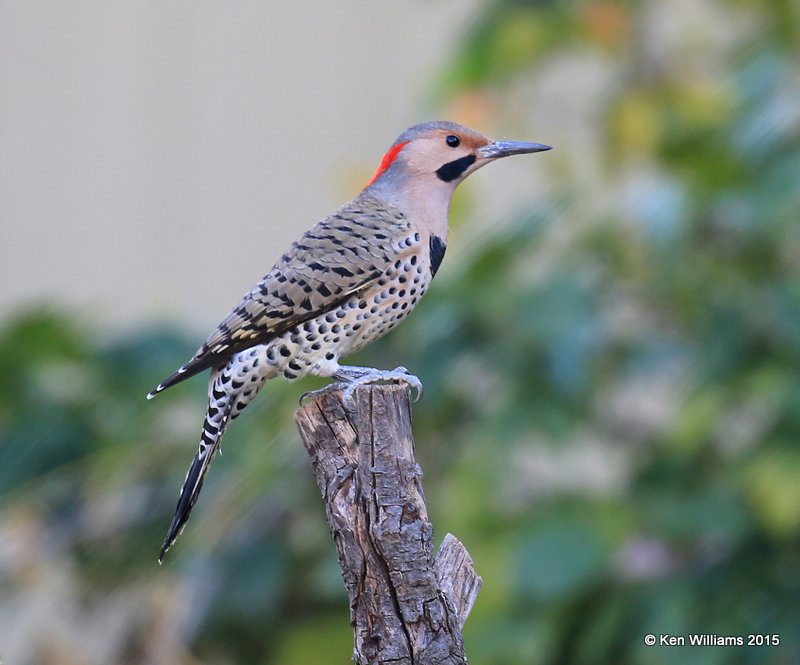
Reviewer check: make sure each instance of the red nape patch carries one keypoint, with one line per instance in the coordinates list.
(388, 160)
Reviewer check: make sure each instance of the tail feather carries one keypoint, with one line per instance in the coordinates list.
(194, 366)
(189, 493)
(209, 445)
(231, 388)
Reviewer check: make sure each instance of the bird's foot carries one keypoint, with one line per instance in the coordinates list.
(350, 378)
(313, 394)
(353, 377)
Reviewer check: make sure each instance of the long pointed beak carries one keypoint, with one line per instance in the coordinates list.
(498, 149)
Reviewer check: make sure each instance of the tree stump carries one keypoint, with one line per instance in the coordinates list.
(407, 606)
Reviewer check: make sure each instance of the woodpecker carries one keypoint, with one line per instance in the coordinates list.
(346, 282)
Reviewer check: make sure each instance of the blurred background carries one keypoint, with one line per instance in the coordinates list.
(610, 350)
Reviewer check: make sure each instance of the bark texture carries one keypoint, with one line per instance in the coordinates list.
(407, 606)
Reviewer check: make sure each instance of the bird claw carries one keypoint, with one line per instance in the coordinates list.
(347, 397)
(313, 394)
(411, 381)
(398, 375)
(348, 379)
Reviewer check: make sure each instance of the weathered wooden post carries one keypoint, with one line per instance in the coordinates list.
(407, 606)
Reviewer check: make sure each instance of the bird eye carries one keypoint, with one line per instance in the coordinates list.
(453, 141)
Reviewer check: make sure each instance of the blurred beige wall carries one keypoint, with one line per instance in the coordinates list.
(157, 157)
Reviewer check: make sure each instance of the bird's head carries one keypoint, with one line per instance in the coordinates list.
(434, 157)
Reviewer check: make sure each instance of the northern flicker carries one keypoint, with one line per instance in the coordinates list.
(343, 284)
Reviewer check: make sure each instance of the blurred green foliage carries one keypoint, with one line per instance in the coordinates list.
(612, 406)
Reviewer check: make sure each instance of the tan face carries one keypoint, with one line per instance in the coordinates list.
(430, 159)
(447, 155)
(420, 171)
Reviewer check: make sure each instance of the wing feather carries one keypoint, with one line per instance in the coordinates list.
(342, 255)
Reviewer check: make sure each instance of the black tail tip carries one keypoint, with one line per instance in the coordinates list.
(174, 531)
(168, 542)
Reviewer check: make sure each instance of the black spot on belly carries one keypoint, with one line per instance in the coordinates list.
(437, 249)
